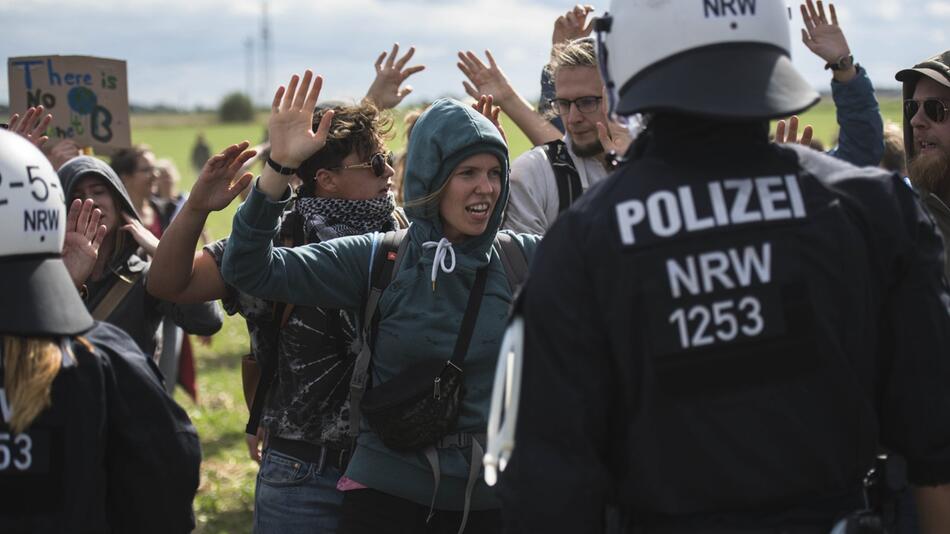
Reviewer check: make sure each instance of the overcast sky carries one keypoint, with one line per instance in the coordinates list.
(191, 52)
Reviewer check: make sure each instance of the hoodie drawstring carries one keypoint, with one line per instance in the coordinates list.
(440, 254)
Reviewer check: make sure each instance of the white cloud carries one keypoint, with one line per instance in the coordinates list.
(938, 9)
(189, 52)
(889, 10)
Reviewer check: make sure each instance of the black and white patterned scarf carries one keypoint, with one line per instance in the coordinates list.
(329, 218)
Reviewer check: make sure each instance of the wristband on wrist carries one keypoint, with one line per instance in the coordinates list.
(843, 63)
(280, 169)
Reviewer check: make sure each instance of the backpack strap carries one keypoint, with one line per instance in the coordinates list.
(469, 319)
(513, 259)
(568, 180)
(401, 220)
(385, 260)
(120, 288)
(291, 235)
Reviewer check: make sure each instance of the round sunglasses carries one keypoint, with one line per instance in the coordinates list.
(378, 163)
(934, 109)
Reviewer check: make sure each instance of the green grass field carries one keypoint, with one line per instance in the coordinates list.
(225, 499)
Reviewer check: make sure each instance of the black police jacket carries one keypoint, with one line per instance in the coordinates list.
(113, 453)
(724, 332)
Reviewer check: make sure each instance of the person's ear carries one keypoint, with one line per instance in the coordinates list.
(327, 180)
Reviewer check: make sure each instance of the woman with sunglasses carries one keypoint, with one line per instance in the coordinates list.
(456, 188)
(305, 353)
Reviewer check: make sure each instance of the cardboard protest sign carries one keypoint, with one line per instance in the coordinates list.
(88, 97)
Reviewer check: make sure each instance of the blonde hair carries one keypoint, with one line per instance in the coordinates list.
(30, 365)
(576, 53)
(430, 200)
(894, 158)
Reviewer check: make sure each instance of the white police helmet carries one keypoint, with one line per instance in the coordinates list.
(715, 58)
(38, 297)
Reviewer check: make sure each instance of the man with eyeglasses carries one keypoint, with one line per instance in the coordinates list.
(546, 180)
(927, 135)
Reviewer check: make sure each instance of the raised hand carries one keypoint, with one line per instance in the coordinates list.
(485, 106)
(32, 125)
(791, 135)
(390, 74)
(614, 137)
(291, 121)
(140, 234)
(216, 186)
(572, 25)
(484, 79)
(84, 234)
(823, 37)
(62, 152)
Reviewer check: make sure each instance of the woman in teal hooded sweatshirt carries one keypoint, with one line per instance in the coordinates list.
(456, 187)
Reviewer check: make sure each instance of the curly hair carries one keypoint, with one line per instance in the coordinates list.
(362, 128)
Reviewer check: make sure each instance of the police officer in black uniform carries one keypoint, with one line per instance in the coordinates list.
(720, 336)
(89, 440)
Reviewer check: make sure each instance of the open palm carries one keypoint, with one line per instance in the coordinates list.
(216, 186)
(291, 121)
(823, 36)
(391, 72)
(84, 234)
(484, 79)
(32, 125)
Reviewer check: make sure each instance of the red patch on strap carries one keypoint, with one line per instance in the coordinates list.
(391, 256)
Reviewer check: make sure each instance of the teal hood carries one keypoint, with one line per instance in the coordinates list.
(443, 136)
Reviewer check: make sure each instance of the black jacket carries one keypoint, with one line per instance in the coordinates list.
(724, 332)
(113, 453)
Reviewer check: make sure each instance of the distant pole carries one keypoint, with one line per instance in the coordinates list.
(265, 53)
(249, 67)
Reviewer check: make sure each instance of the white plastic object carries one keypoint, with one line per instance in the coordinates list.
(503, 414)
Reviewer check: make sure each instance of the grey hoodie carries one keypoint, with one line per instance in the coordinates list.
(139, 313)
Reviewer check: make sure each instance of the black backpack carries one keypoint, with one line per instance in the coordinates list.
(568, 180)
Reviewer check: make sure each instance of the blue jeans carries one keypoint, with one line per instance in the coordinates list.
(293, 496)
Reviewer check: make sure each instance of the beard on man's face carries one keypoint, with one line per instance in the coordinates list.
(588, 150)
(931, 171)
